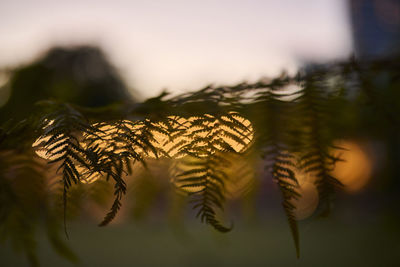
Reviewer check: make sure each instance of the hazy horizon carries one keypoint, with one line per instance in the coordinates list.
(180, 45)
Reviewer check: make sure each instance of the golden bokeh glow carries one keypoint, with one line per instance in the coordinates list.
(354, 172)
(238, 181)
(167, 138)
(240, 176)
(355, 169)
(307, 203)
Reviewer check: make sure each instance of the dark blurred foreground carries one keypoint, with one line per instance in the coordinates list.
(351, 240)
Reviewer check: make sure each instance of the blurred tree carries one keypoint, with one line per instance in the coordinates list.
(79, 75)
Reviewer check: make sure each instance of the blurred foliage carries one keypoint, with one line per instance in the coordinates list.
(80, 75)
(187, 144)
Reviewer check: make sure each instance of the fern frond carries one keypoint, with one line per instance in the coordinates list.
(203, 172)
(275, 125)
(61, 132)
(114, 209)
(315, 158)
(201, 178)
(22, 196)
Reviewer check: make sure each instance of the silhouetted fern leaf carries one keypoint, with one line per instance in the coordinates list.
(315, 158)
(279, 161)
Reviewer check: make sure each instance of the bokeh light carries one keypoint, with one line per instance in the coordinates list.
(169, 137)
(239, 180)
(354, 171)
(308, 201)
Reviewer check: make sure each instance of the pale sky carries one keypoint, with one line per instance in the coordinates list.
(181, 45)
